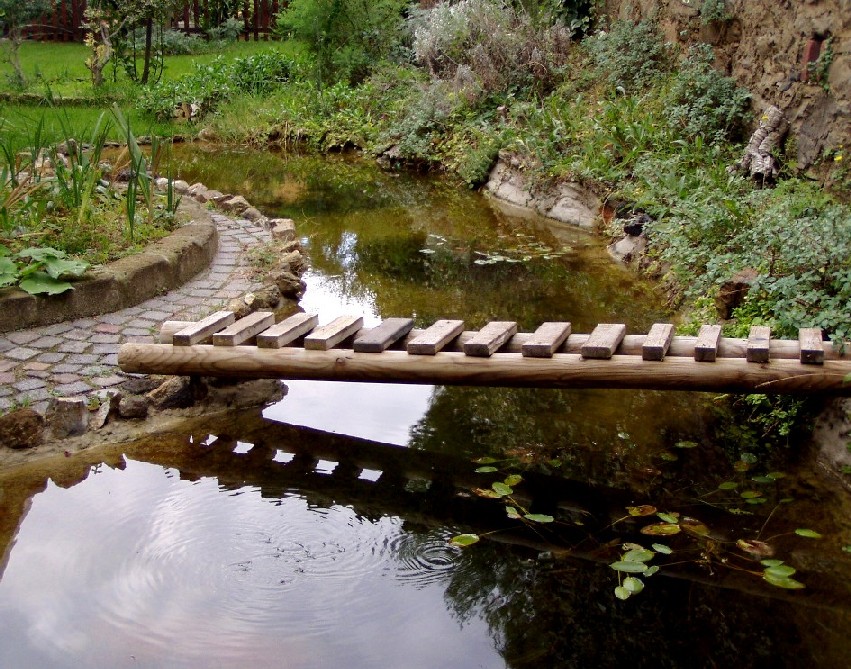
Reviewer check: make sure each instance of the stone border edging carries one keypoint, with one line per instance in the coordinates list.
(164, 265)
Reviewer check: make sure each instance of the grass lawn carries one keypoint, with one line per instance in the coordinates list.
(57, 71)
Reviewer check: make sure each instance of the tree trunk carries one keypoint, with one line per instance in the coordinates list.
(101, 54)
(14, 55)
(149, 39)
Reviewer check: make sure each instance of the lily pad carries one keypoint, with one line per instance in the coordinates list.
(755, 547)
(639, 555)
(487, 493)
(661, 529)
(694, 526)
(629, 567)
(787, 583)
(539, 518)
(501, 489)
(662, 548)
(512, 479)
(464, 540)
(644, 510)
(686, 444)
(512, 512)
(780, 571)
(622, 593)
(486, 469)
(728, 485)
(669, 517)
(805, 532)
(634, 585)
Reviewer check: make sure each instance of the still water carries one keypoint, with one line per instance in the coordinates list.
(315, 532)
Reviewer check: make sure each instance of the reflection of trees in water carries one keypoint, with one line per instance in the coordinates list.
(564, 614)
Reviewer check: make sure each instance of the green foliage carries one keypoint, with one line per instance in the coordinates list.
(702, 101)
(39, 270)
(211, 83)
(714, 10)
(345, 37)
(631, 56)
(484, 45)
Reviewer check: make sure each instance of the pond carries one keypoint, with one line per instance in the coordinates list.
(316, 532)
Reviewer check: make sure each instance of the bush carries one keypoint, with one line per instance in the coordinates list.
(496, 46)
(212, 83)
(346, 37)
(702, 101)
(630, 56)
(229, 31)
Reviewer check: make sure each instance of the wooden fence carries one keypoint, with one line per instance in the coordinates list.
(66, 23)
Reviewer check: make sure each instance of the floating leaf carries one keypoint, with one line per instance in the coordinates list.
(762, 479)
(780, 571)
(788, 583)
(728, 485)
(512, 479)
(645, 510)
(639, 555)
(771, 563)
(669, 517)
(736, 511)
(662, 548)
(486, 470)
(750, 494)
(464, 540)
(629, 567)
(629, 546)
(755, 547)
(634, 585)
(846, 548)
(805, 532)
(501, 489)
(660, 529)
(756, 500)
(486, 492)
(740, 466)
(486, 460)
(694, 526)
(512, 512)
(750, 458)
(776, 475)
(622, 593)
(686, 444)
(651, 570)
(539, 518)
(667, 456)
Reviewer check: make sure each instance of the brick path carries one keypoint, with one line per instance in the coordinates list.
(76, 357)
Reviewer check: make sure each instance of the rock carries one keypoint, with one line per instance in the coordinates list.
(207, 135)
(283, 229)
(20, 429)
(161, 183)
(196, 188)
(67, 416)
(141, 385)
(178, 392)
(107, 401)
(252, 214)
(732, 292)
(628, 249)
(295, 261)
(133, 406)
(236, 204)
(575, 205)
(289, 284)
(180, 186)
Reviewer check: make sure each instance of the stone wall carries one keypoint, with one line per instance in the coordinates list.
(766, 46)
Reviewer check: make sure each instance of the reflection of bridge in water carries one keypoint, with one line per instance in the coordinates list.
(497, 355)
(425, 488)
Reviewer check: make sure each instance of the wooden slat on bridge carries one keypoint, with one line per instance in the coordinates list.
(443, 354)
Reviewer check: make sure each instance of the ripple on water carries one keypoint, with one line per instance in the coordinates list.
(181, 569)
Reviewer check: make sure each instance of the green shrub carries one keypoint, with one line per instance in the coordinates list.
(702, 101)
(630, 56)
(495, 46)
(345, 37)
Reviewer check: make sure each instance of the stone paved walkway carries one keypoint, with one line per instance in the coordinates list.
(76, 357)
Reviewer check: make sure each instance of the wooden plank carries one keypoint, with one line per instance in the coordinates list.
(381, 337)
(604, 341)
(811, 346)
(203, 329)
(433, 339)
(706, 346)
(658, 341)
(563, 370)
(546, 340)
(328, 336)
(759, 341)
(287, 331)
(488, 340)
(244, 329)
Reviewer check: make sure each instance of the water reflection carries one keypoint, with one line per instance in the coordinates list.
(203, 552)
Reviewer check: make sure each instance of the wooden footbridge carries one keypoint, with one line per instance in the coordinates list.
(497, 355)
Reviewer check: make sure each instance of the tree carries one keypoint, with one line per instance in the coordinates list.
(346, 37)
(15, 15)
